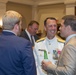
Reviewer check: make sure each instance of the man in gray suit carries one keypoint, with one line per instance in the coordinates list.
(66, 63)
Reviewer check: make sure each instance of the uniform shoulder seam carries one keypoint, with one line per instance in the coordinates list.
(42, 39)
(59, 39)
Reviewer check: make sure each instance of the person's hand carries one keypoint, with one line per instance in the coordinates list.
(45, 64)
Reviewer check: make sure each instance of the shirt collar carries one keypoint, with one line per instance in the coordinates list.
(69, 37)
(50, 40)
(29, 35)
(27, 32)
(9, 31)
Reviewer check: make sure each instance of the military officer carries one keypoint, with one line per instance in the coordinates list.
(48, 48)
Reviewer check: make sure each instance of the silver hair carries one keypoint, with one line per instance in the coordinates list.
(10, 19)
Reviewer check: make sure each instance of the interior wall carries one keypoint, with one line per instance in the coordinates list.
(25, 10)
(44, 11)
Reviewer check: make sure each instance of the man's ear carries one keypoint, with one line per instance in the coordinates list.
(69, 28)
(16, 27)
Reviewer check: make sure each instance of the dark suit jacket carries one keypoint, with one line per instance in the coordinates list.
(24, 35)
(67, 60)
(16, 56)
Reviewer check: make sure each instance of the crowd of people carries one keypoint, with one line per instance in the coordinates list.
(22, 52)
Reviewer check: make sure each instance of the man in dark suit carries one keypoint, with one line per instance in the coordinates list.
(16, 56)
(30, 32)
(66, 64)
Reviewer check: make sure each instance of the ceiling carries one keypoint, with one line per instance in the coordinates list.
(37, 2)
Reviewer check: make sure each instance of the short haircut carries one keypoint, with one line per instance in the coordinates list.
(32, 22)
(51, 18)
(10, 19)
(70, 20)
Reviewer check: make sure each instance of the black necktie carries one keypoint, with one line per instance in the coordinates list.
(32, 41)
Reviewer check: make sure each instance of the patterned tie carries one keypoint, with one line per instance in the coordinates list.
(32, 41)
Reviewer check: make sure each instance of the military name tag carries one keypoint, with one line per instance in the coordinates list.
(41, 49)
